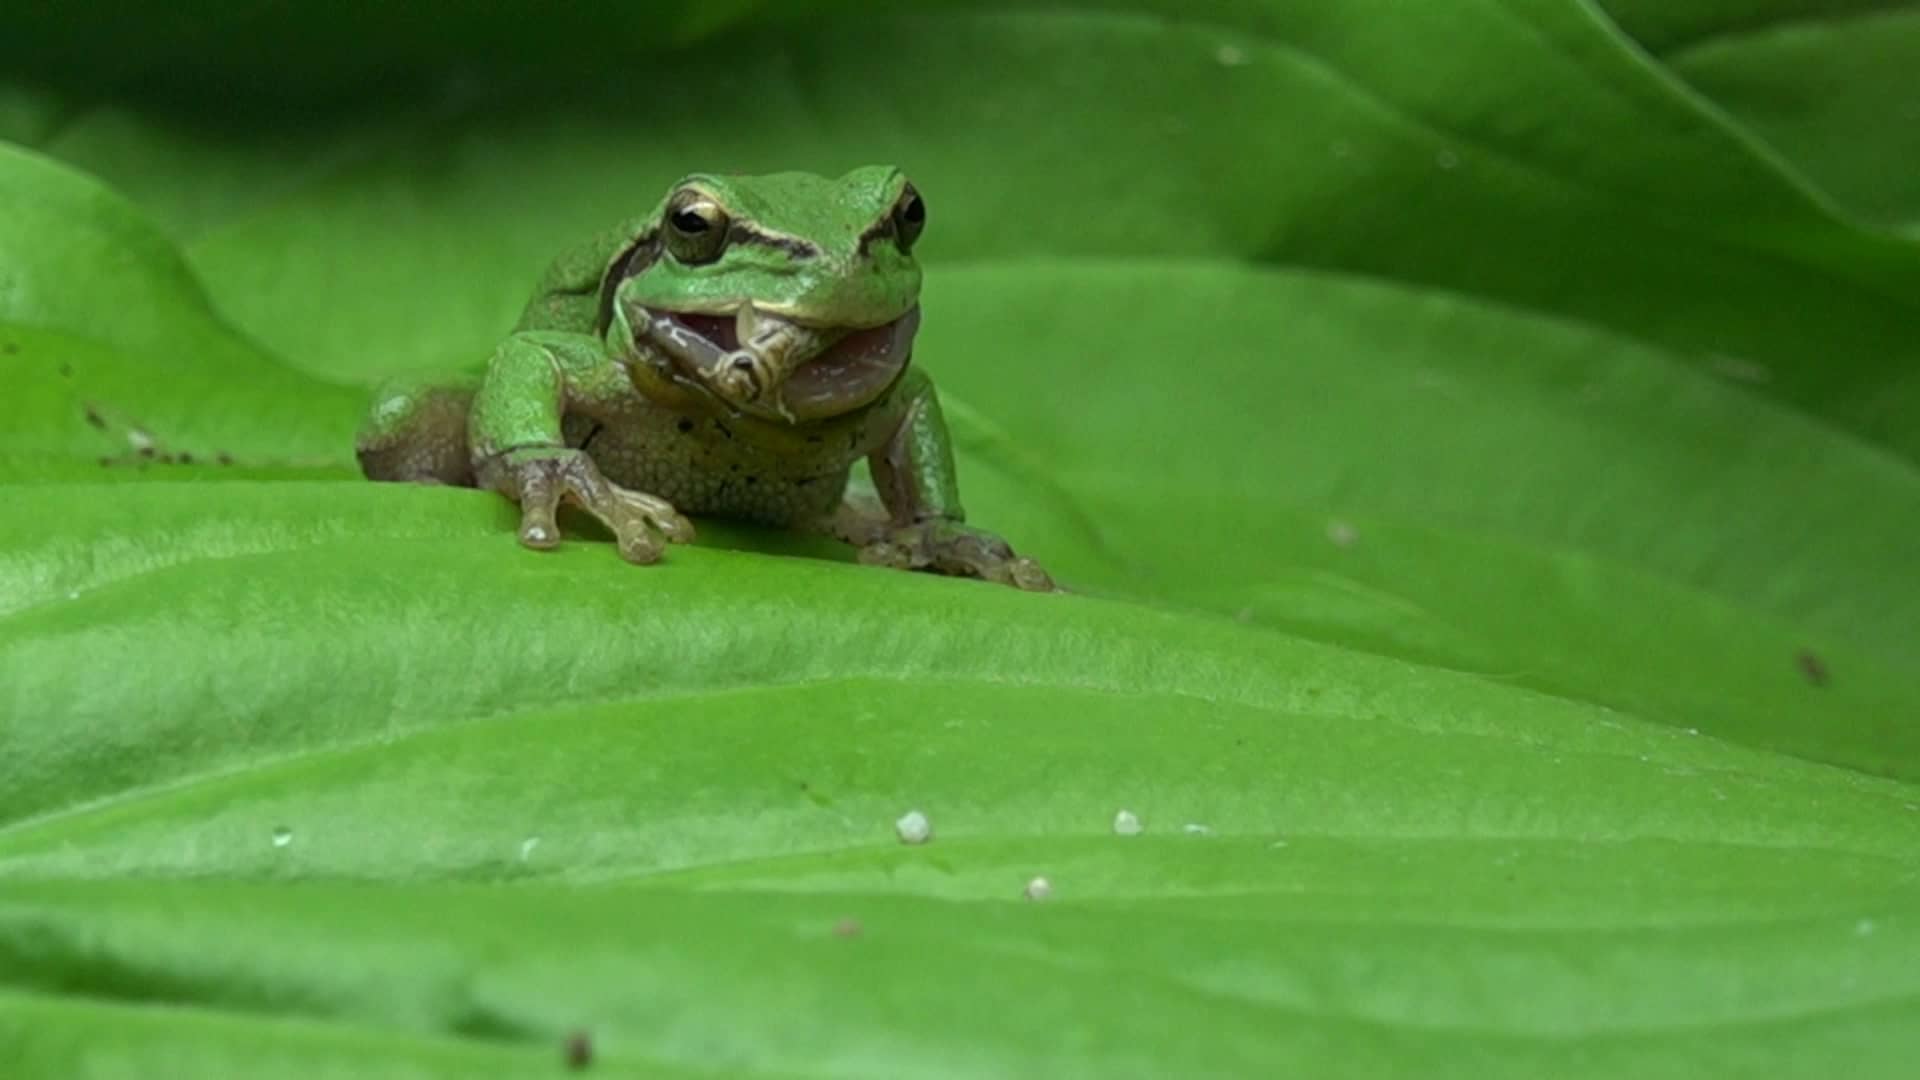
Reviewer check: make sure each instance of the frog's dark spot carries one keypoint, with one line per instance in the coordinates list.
(579, 1050)
(685, 426)
(184, 458)
(1811, 666)
(751, 479)
(95, 419)
(723, 429)
(804, 481)
(223, 458)
(815, 439)
(591, 435)
(735, 467)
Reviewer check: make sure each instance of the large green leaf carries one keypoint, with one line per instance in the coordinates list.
(1479, 468)
(1830, 85)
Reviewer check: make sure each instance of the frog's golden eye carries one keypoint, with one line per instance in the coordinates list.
(909, 217)
(696, 230)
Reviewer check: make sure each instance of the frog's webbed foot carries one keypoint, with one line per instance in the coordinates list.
(541, 478)
(948, 547)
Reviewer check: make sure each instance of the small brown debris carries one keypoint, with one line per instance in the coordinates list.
(94, 418)
(847, 928)
(66, 371)
(579, 1050)
(1814, 668)
(183, 458)
(223, 458)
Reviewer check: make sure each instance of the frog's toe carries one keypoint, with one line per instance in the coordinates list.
(957, 551)
(638, 544)
(892, 554)
(982, 555)
(642, 524)
(658, 514)
(539, 501)
(972, 553)
(1025, 574)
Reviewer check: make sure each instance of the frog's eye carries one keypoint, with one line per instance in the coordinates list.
(909, 217)
(696, 230)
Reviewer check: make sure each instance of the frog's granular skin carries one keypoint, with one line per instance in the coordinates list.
(706, 466)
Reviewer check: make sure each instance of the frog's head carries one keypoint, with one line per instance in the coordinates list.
(791, 295)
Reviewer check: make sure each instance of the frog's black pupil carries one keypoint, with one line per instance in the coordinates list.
(689, 222)
(915, 212)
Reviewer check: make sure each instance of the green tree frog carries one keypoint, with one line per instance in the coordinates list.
(735, 352)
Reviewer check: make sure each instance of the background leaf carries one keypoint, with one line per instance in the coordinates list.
(1479, 452)
(1829, 85)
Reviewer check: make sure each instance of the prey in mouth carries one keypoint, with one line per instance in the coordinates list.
(759, 362)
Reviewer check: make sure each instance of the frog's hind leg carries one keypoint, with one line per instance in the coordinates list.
(417, 433)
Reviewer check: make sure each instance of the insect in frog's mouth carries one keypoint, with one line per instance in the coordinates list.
(791, 370)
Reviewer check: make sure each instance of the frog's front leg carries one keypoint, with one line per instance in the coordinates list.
(518, 449)
(926, 527)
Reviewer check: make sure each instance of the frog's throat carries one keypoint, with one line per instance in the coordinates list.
(762, 363)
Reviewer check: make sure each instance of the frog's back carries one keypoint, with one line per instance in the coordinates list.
(568, 295)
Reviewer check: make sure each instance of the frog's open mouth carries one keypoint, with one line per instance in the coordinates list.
(838, 369)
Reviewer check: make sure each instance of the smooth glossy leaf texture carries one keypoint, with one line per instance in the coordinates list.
(1829, 85)
(1477, 441)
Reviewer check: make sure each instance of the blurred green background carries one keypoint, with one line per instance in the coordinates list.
(1478, 437)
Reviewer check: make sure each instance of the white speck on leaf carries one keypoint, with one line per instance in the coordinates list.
(913, 828)
(282, 836)
(140, 440)
(1342, 534)
(1864, 927)
(1039, 889)
(1194, 828)
(1230, 55)
(1447, 159)
(1126, 823)
(527, 846)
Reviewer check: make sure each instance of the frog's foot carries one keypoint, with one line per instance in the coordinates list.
(948, 547)
(541, 478)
